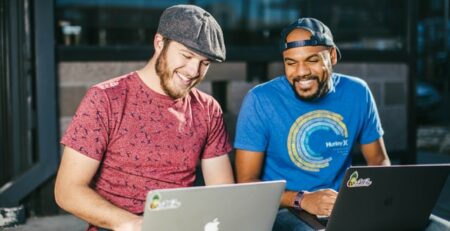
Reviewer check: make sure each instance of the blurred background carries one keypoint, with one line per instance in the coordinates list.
(53, 50)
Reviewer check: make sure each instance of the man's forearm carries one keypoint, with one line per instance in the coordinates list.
(381, 160)
(88, 205)
(287, 199)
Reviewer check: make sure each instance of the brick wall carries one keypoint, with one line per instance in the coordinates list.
(388, 83)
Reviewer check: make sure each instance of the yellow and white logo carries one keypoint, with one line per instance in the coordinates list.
(158, 203)
(354, 182)
(312, 135)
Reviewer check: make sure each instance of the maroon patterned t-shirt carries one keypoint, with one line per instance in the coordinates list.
(145, 140)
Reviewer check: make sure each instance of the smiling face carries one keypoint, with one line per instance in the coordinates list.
(179, 69)
(308, 68)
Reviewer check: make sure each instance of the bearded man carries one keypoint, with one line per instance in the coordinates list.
(147, 129)
(302, 126)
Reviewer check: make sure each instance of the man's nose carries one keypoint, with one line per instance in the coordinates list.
(303, 70)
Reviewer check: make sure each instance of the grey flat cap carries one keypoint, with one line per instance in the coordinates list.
(195, 28)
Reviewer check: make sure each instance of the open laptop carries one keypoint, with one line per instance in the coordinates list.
(399, 197)
(237, 207)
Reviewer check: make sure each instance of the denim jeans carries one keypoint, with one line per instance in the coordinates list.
(287, 221)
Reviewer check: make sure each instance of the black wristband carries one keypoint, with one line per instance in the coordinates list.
(298, 200)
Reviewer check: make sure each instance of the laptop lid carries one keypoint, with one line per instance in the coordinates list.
(399, 197)
(248, 206)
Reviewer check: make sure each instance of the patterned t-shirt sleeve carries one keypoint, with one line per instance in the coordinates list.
(88, 131)
(217, 142)
(372, 129)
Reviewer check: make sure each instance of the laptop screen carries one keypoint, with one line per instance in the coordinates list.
(249, 206)
(398, 197)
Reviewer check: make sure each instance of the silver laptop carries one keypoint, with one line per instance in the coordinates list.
(396, 198)
(234, 207)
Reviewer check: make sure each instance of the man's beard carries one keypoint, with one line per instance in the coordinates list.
(322, 89)
(166, 76)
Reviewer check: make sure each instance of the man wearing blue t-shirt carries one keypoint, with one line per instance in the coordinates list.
(302, 126)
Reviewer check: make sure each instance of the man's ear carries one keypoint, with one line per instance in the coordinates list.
(158, 43)
(333, 56)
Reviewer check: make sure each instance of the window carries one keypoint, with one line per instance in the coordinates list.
(369, 25)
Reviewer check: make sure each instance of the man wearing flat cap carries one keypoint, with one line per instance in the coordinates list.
(301, 126)
(147, 129)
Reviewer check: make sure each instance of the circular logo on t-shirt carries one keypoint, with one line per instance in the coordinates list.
(315, 137)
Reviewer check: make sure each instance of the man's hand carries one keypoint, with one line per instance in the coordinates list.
(319, 202)
(132, 225)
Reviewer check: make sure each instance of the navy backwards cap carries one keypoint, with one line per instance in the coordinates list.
(195, 28)
(320, 35)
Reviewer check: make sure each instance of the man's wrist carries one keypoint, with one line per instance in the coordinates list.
(298, 200)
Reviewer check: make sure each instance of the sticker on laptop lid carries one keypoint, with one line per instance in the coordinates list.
(354, 182)
(157, 203)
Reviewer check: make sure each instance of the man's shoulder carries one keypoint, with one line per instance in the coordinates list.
(197, 93)
(202, 97)
(267, 87)
(349, 81)
(114, 88)
(117, 82)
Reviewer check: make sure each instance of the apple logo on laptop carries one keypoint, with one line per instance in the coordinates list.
(212, 225)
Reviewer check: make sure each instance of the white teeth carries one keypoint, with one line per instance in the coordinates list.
(185, 79)
(305, 83)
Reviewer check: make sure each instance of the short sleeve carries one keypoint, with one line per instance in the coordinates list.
(251, 132)
(87, 133)
(218, 142)
(372, 129)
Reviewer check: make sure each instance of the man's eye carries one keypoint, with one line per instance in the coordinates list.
(186, 56)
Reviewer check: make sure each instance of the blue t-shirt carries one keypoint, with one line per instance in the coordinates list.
(307, 143)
